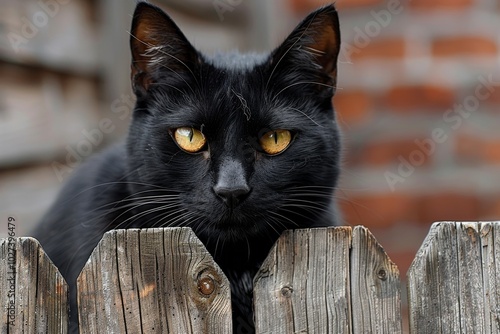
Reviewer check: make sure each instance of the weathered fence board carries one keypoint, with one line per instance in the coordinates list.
(324, 280)
(33, 294)
(153, 281)
(328, 280)
(375, 287)
(490, 258)
(453, 283)
(280, 291)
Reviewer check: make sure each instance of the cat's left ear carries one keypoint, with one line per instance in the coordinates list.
(314, 42)
(159, 48)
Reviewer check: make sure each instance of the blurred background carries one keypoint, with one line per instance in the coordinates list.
(418, 100)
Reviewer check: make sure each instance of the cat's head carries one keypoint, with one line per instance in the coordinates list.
(234, 146)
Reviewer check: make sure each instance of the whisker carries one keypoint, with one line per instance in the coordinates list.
(283, 217)
(115, 183)
(131, 200)
(163, 216)
(140, 214)
(312, 120)
(295, 213)
(269, 223)
(184, 217)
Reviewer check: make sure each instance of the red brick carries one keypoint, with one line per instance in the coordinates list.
(344, 4)
(301, 6)
(449, 205)
(467, 148)
(419, 98)
(492, 211)
(388, 48)
(464, 46)
(491, 151)
(378, 210)
(495, 94)
(477, 150)
(387, 153)
(352, 106)
(441, 4)
(383, 153)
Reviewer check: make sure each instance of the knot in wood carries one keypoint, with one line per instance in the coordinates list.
(382, 274)
(206, 285)
(472, 234)
(286, 291)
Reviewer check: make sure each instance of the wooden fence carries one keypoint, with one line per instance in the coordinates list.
(328, 280)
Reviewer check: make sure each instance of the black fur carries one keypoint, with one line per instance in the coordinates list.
(233, 99)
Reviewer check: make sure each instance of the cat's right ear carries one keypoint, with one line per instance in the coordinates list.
(158, 47)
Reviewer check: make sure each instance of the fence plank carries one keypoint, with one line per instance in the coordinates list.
(305, 284)
(33, 294)
(470, 279)
(153, 281)
(453, 281)
(490, 255)
(305, 267)
(375, 286)
(433, 283)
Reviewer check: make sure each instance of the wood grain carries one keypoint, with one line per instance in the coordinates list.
(33, 294)
(306, 284)
(327, 280)
(153, 281)
(375, 286)
(453, 283)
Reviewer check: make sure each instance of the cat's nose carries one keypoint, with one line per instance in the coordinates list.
(231, 186)
(232, 197)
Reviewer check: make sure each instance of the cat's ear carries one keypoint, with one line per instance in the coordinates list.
(313, 45)
(158, 48)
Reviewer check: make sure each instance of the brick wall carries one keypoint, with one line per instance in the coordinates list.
(419, 105)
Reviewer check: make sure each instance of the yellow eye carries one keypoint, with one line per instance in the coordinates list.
(189, 139)
(276, 141)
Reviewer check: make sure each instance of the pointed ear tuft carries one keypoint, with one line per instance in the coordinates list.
(325, 38)
(316, 39)
(158, 47)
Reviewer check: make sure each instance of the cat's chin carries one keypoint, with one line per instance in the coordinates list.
(236, 229)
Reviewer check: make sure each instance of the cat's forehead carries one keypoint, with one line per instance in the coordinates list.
(235, 60)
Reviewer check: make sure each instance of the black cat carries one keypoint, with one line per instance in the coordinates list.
(237, 147)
